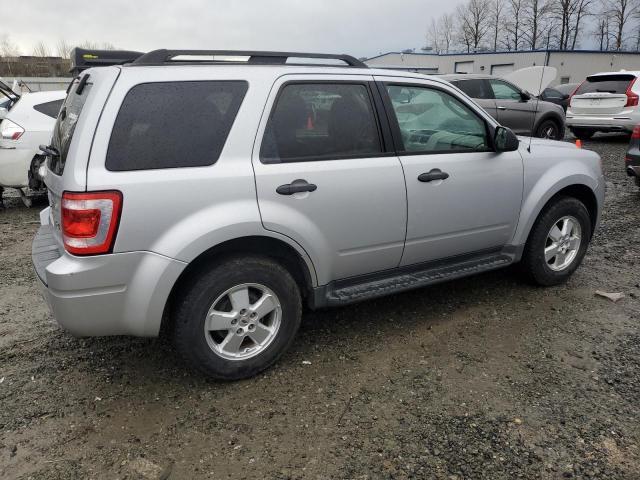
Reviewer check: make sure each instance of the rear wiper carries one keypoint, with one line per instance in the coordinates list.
(605, 91)
(49, 150)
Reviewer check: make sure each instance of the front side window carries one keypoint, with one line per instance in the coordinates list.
(316, 121)
(504, 91)
(475, 88)
(173, 124)
(433, 121)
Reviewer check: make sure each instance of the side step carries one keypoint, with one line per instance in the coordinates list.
(402, 279)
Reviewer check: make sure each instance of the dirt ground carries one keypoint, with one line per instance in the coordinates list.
(485, 377)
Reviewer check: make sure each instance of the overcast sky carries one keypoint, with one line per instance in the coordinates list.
(360, 28)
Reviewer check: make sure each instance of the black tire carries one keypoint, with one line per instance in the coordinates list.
(582, 133)
(198, 295)
(533, 264)
(549, 129)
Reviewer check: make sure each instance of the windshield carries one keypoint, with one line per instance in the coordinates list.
(606, 84)
(66, 125)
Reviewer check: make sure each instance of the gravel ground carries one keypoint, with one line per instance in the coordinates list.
(484, 377)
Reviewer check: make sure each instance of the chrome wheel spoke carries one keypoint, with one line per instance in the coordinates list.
(566, 226)
(240, 299)
(260, 334)
(574, 243)
(555, 234)
(231, 343)
(550, 252)
(264, 306)
(219, 320)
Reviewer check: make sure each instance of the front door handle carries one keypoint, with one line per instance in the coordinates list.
(501, 108)
(291, 188)
(434, 174)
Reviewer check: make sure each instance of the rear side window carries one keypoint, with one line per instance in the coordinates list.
(173, 124)
(475, 88)
(605, 84)
(321, 122)
(66, 124)
(50, 109)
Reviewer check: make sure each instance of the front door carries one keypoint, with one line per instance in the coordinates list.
(325, 179)
(514, 111)
(463, 198)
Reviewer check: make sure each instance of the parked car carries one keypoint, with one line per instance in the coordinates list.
(605, 102)
(210, 199)
(27, 124)
(632, 159)
(511, 106)
(560, 94)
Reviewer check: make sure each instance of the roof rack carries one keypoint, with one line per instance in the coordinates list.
(163, 57)
(81, 58)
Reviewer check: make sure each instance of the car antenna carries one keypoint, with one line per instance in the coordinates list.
(535, 113)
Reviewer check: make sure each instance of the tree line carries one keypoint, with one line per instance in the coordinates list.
(499, 25)
(41, 49)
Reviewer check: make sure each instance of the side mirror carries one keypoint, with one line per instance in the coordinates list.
(525, 97)
(3, 112)
(504, 140)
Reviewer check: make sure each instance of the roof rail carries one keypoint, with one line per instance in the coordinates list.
(81, 58)
(163, 57)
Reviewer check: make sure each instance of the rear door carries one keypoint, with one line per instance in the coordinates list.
(513, 110)
(602, 95)
(325, 176)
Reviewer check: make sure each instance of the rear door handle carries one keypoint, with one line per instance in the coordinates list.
(434, 174)
(291, 188)
(501, 108)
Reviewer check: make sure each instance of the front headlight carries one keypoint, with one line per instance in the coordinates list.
(10, 130)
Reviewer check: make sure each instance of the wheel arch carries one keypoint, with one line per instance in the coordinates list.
(274, 248)
(553, 116)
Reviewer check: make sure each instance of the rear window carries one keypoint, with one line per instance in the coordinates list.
(173, 124)
(50, 109)
(66, 124)
(606, 84)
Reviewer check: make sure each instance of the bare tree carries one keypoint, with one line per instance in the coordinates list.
(496, 18)
(534, 16)
(89, 45)
(474, 24)
(602, 30)
(581, 11)
(446, 26)
(433, 36)
(63, 49)
(514, 25)
(7, 47)
(621, 12)
(41, 50)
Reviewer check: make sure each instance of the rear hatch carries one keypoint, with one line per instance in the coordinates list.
(73, 133)
(604, 95)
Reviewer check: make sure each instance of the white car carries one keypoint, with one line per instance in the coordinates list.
(27, 124)
(605, 102)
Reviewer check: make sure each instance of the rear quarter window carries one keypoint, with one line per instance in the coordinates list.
(173, 124)
(50, 109)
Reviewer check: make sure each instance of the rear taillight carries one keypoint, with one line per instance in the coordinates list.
(632, 97)
(10, 130)
(574, 92)
(635, 135)
(90, 221)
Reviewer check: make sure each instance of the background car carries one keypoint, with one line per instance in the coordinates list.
(632, 159)
(605, 102)
(27, 124)
(512, 106)
(559, 94)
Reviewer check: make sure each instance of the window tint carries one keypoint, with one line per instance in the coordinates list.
(66, 125)
(321, 121)
(605, 84)
(50, 109)
(434, 121)
(173, 124)
(475, 88)
(552, 93)
(504, 91)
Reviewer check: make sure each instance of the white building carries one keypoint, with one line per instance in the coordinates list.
(573, 66)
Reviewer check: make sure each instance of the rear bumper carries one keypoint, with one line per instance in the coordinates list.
(115, 294)
(602, 123)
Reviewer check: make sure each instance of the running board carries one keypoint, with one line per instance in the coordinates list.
(402, 279)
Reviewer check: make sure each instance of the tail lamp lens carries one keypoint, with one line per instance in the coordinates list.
(632, 97)
(636, 132)
(90, 221)
(10, 130)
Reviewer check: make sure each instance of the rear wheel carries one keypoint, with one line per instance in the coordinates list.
(238, 318)
(557, 242)
(582, 133)
(549, 129)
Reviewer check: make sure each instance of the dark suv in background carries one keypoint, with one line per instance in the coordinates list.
(512, 106)
(632, 159)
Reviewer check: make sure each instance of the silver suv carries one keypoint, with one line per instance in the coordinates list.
(210, 195)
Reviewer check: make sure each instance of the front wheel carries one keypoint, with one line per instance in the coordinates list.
(238, 318)
(557, 242)
(550, 130)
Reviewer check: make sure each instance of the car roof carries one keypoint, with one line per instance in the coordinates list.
(635, 73)
(465, 76)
